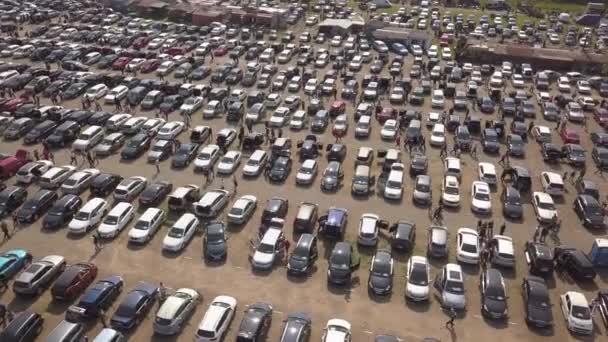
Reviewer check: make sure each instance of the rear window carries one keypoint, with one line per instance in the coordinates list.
(205, 333)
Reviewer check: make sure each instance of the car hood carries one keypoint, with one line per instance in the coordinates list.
(540, 314)
(263, 258)
(107, 228)
(138, 233)
(481, 204)
(417, 291)
(456, 301)
(495, 306)
(78, 224)
(172, 242)
(380, 282)
(216, 249)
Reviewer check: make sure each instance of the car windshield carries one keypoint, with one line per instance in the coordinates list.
(381, 269)
(454, 287)
(227, 160)
(111, 220)
(83, 216)
(306, 170)
(540, 300)
(418, 276)
(215, 237)
(482, 196)
(594, 210)
(469, 248)
(546, 206)
(450, 190)
(265, 248)
(495, 292)
(176, 232)
(339, 261)
(581, 312)
(141, 225)
(422, 187)
(393, 184)
(514, 200)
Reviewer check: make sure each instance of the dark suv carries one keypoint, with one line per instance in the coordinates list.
(255, 323)
(575, 262)
(540, 257)
(62, 211)
(304, 255)
(342, 263)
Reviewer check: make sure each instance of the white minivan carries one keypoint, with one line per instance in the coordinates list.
(180, 233)
(147, 225)
(88, 216)
(89, 138)
(117, 219)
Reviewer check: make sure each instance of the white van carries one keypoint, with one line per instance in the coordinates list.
(147, 225)
(88, 216)
(114, 122)
(117, 219)
(255, 164)
(89, 138)
(53, 178)
(267, 251)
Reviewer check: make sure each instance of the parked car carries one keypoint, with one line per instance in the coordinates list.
(537, 302)
(134, 307)
(96, 299)
(255, 323)
(217, 319)
(75, 279)
(39, 275)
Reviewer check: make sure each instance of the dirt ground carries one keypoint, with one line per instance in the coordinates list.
(369, 316)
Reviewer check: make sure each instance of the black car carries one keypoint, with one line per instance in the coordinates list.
(380, 280)
(297, 328)
(540, 258)
(133, 309)
(537, 302)
(255, 323)
(551, 152)
(214, 242)
(184, 155)
(589, 211)
(10, 199)
(575, 262)
(56, 87)
(75, 90)
(64, 134)
(18, 128)
(515, 145)
(97, 298)
(574, 154)
(304, 255)
(280, 169)
(104, 184)
(24, 327)
(136, 146)
(171, 103)
(99, 118)
(342, 263)
(403, 235)
(511, 203)
(276, 207)
(155, 193)
(493, 294)
(600, 157)
(37, 205)
(62, 211)
(309, 148)
(200, 73)
(336, 152)
(39, 132)
(489, 140)
(80, 116)
(107, 61)
(602, 298)
(419, 164)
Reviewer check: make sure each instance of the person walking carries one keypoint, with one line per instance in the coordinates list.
(102, 318)
(157, 166)
(235, 183)
(15, 222)
(398, 140)
(503, 227)
(96, 243)
(543, 234)
(3, 315)
(162, 293)
(450, 323)
(4, 228)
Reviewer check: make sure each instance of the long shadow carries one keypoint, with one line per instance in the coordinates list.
(57, 307)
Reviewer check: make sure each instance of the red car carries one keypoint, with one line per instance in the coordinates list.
(601, 116)
(385, 114)
(141, 42)
(12, 104)
(9, 166)
(75, 279)
(176, 51)
(221, 50)
(121, 63)
(150, 65)
(337, 108)
(569, 136)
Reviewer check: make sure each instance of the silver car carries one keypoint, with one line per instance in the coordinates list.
(450, 285)
(37, 276)
(175, 311)
(422, 190)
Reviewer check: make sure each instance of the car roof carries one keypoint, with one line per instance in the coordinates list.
(577, 298)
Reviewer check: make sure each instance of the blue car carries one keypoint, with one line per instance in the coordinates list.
(97, 297)
(399, 49)
(12, 262)
(134, 307)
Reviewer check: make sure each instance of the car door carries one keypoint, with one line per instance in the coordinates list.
(438, 282)
(566, 306)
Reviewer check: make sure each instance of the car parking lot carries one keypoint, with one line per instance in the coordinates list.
(333, 141)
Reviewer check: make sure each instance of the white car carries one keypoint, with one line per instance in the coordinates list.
(397, 95)
(118, 93)
(587, 102)
(228, 135)
(180, 233)
(574, 111)
(487, 173)
(192, 104)
(311, 86)
(279, 117)
(89, 215)
(88, 138)
(273, 100)
(255, 164)
(438, 135)
(129, 188)
(544, 207)
(389, 130)
(229, 162)
(446, 53)
(207, 157)
(116, 120)
(417, 287)
(393, 188)
(563, 84)
(438, 99)
(135, 64)
(337, 330)
(216, 320)
(552, 183)
(116, 220)
(542, 134)
(518, 81)
(96, 92)
(307, 172)
(79, 181)
(170, 130)
(467, 246)
(175, 311)
(211, 203)
(576, 312)
(368, 229)
(298, 120)
(153, 125)
(133, 125)
(432, 51)
(53, 178)
(147, 225)
(450, 191)
(504, 252)
(583, 87)
(481, 202)
(29, 172)
(242, 209)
